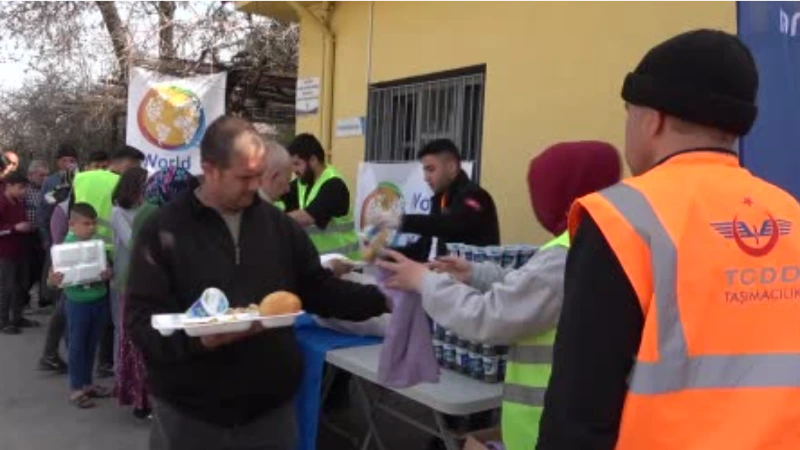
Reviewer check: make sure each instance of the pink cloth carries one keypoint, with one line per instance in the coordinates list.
(131, 386)
(407, 356)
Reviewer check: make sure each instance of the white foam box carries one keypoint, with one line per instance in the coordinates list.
(80, 262)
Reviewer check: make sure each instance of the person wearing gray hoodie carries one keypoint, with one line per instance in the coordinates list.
(520, 308)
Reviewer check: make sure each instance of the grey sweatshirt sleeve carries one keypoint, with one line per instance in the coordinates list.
(485, 274)
(525, 303)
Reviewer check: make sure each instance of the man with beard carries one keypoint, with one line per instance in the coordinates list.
(319, 199)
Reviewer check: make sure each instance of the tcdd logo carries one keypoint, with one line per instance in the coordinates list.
(754, 239)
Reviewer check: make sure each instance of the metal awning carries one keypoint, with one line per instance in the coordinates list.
(278, 10)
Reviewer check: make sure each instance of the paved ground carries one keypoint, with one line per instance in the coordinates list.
(35, 413)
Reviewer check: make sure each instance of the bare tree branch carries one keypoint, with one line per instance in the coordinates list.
(118, 33)
(79, 55)
(166, 29)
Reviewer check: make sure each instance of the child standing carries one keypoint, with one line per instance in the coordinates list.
(86, 308)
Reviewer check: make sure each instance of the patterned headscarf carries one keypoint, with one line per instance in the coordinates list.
(166, 184)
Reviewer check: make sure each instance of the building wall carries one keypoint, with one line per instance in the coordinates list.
(554, 73)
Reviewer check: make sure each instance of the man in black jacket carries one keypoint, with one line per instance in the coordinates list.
(461, 211)
(229, 391)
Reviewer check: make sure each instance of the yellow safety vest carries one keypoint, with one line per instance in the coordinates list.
(527, 374)
(96, 187)
(340, 234)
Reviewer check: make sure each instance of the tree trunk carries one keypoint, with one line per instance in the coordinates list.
(119, 36)
(166, 30)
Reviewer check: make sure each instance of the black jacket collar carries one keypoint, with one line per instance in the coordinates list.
(196, 207)
(457, 185)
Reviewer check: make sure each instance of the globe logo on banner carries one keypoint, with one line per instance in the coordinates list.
(171, 118)
(387, 197)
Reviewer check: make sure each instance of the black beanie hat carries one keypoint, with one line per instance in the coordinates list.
(65, 151)
(706, 77)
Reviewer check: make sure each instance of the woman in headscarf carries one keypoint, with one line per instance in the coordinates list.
(520, 308)
(126, 198)
(159, 190)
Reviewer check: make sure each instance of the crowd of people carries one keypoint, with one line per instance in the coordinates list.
(41, 209)
(634, 327)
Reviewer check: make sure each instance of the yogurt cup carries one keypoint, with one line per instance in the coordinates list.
(495, 254)
(479, 255)
(468, 252)
(453, 249)
(212, 303)
(509, 257)
(525, 253)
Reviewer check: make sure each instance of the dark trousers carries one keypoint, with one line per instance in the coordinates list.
(173, 430)
(56, 329)
(105, 351)
(47, 294)
(34, 264)
(12, 281)
(85, 323)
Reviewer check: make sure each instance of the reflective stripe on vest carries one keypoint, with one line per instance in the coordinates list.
(340, 234)
(699, 370)
(676, 369)
(529, 365)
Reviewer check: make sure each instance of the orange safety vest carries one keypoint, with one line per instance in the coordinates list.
(713, 254)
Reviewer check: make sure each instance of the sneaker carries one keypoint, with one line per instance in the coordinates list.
(10, 330)
(27, 323)
(52, 363)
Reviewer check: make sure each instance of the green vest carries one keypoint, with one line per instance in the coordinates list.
(96, 187)
(340, 234)
(527, 375)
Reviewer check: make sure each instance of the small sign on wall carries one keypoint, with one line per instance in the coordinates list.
(307, 96)
(349, 127)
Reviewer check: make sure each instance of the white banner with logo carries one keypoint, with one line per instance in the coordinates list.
(167, 116)
(399, 186)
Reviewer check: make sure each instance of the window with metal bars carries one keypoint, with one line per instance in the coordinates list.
(404, 115)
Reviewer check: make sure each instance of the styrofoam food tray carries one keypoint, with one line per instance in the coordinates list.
(79, 262)
(166, 324)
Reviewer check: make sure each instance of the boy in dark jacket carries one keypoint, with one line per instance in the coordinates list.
(14, 230)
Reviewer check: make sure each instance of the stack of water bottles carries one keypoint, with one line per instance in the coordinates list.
(483, 362)
(507, 256)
